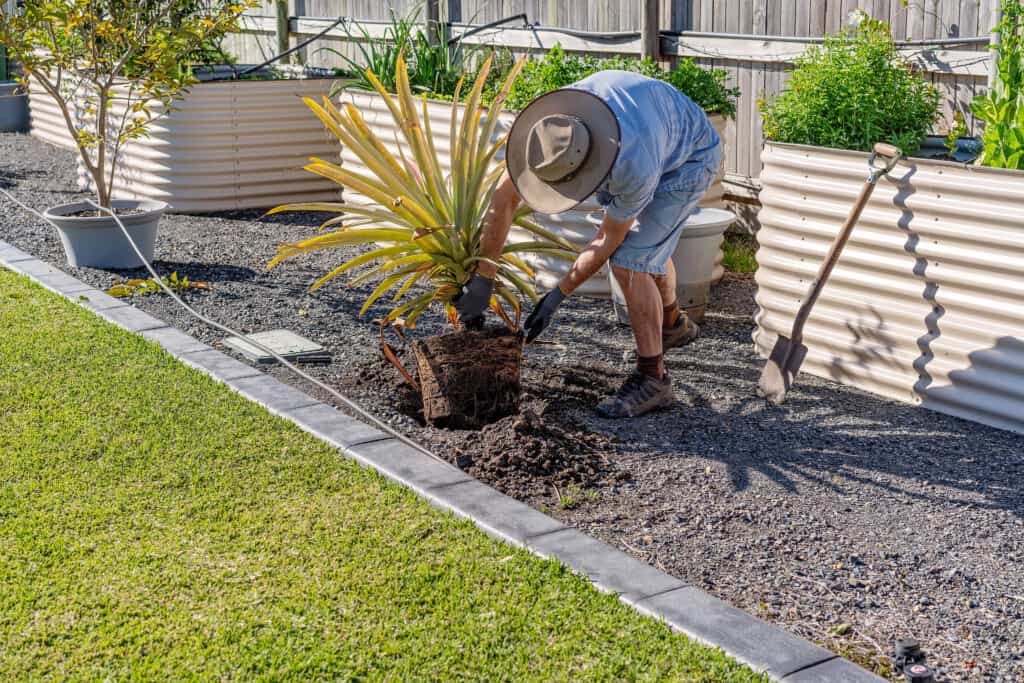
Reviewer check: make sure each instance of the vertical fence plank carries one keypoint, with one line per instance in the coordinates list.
(898, 20)
(818, 11)
(969, 18)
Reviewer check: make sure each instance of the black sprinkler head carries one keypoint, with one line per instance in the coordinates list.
(918, 673)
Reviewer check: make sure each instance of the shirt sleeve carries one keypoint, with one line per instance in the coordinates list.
(632, 188)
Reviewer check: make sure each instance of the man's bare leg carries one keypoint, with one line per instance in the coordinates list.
(648, 388)
(667, 284)
(645, 315)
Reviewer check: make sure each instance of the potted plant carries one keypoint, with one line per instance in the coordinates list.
(13, 101)
(924, 304)
(555, 70)
(107, 65)
(424, 227)
(230, 141)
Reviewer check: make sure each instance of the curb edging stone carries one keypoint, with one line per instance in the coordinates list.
(698, 615)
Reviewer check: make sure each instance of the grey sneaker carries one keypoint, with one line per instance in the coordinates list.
(639, 394)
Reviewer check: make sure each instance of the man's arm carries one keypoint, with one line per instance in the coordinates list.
(497, 222)
(476, 294)
(597, 253)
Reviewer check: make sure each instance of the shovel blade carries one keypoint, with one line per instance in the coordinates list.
(781, 370)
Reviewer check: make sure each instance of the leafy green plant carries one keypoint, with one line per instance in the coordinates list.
(957, 130)
(150, 286)
(1002, 108)
(424, 227)
(433, 67)
(851, 92)
(706, 87)
(114, 63)
(377, 55)
(558, 69)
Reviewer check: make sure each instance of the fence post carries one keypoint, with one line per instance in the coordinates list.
(283, 28)
(650, 36)
(994, 42)
(433, 19)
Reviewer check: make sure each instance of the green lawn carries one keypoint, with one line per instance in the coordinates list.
(154, 525)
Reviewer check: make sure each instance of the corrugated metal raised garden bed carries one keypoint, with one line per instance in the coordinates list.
(226, 145)
(926, 304)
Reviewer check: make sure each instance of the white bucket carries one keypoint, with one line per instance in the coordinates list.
(694, 260)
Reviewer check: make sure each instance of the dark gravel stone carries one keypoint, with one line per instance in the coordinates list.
(848, 519)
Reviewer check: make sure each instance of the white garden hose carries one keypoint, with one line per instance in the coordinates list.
(346, 401)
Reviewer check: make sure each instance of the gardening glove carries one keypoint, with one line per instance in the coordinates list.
(542, 313)
(474, 300)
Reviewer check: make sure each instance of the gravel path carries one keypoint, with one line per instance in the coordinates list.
(848, 519)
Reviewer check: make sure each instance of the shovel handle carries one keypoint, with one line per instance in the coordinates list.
(892, 155)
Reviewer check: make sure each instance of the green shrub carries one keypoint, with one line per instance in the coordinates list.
(706, 87)
(1002, 108)
(851, 92)
(557, 69)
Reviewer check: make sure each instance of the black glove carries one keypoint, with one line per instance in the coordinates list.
(475, 298)
(542, 313)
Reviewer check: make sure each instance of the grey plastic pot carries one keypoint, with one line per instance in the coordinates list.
(13, 108)
(694, 259)
(97, 242)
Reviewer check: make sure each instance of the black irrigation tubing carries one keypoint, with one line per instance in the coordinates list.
(298, 47)
(484, 27)
(471, 29)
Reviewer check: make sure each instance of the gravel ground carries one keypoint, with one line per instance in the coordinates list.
(848, 519)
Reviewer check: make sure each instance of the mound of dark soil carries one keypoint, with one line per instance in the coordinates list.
(527, 455)
(524, 455)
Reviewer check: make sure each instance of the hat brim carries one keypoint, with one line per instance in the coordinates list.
(555, 197)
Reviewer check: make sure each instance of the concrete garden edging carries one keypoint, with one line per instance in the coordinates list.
(698, 615)
(925, 304)
(572, 225)
(226, 145)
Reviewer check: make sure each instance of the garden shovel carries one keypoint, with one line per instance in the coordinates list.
(788, 354)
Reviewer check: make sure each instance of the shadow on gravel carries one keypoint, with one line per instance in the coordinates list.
(194, 270)
(809, 438)
(9, 179)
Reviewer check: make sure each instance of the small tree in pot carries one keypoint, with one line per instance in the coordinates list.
(425, 230)
(111, 66)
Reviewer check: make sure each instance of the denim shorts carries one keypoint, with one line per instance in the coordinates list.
(652, 240)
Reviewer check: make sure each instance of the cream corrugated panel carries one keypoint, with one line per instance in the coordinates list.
(926, 304)
(572, 225)
(46, 118)
(230, 145)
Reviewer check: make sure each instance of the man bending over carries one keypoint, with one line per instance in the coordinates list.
(649, 153)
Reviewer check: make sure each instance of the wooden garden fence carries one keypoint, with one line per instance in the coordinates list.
(755, 41)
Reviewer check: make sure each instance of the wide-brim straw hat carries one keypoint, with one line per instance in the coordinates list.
(571, 138)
